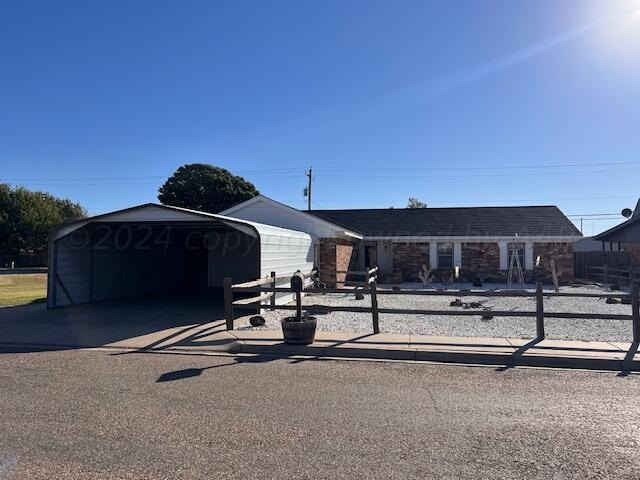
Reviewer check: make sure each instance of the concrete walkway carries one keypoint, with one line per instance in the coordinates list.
(504, 352)
(139, 327)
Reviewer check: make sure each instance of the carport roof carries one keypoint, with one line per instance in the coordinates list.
(156, 213)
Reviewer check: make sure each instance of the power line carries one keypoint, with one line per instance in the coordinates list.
(490, 167)
(475, 200)
(476, 175)
(291, 170)
(595, 215)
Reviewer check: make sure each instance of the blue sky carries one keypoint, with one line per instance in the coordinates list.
(456, 103)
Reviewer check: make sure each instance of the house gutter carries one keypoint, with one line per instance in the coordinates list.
(470, 239)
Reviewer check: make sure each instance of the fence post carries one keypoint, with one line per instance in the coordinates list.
(228, 302)
(635, 312)
(297, 284)
(272, 300)
(539, 312)
(374, 305)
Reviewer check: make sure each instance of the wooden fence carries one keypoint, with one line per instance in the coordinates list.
(584, 261)
(269, 292)
(606, 274)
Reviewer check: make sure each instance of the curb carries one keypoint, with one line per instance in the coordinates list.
(414, 355)
(362, 353)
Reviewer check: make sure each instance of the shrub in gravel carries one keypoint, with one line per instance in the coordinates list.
(487, 314)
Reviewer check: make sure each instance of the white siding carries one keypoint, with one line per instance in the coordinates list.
(272, 213)
(285, 251)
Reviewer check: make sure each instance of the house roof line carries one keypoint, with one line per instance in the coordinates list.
(427, 208)
(539, 220)
(603, 235)
(320, 221)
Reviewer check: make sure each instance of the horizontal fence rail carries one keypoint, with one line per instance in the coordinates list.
(371, 288)
(607, 274)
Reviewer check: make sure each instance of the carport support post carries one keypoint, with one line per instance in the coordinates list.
(635, 312)
(539, 312)
(272, 300)
(228, 302)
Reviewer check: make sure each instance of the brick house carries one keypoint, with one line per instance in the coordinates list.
(476, 240)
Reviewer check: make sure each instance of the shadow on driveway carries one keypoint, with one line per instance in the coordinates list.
(32, 328)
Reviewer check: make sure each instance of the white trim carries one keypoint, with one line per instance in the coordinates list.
(433, 255)
(457, 254)
(528, 256)
(504, 261)
(311, 218)
(471, 239)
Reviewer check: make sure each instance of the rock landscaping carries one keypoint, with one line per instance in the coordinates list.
(468, 326)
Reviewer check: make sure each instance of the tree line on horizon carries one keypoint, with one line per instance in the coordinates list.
(28, 217)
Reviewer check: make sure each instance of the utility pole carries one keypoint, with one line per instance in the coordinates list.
(307, 190)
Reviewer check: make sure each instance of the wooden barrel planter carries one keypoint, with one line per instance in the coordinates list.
(298, 332)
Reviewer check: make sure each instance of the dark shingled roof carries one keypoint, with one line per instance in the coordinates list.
(464, 221)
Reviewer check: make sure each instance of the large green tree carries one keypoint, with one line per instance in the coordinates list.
(203, 187)
(27, 219)
(415, 203)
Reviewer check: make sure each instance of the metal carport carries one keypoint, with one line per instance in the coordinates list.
(155, 248)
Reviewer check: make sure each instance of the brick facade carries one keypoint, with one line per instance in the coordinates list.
(335, 255)
(408, 258)
(562, 253)
(481, 261)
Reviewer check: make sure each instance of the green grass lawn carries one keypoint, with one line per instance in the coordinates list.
(22, 288)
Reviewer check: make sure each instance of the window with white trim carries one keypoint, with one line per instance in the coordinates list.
(445, 255)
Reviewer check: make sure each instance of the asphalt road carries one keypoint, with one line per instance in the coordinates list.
(98, 415)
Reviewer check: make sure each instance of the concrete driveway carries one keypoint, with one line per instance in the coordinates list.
(135, 323)
(194, 323)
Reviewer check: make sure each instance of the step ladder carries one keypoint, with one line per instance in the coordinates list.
(515, 270)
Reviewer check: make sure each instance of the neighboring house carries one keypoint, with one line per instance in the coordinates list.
(477, 240)
(590, 244)
(626, 235)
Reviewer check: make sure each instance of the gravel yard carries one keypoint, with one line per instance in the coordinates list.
(470, 326)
